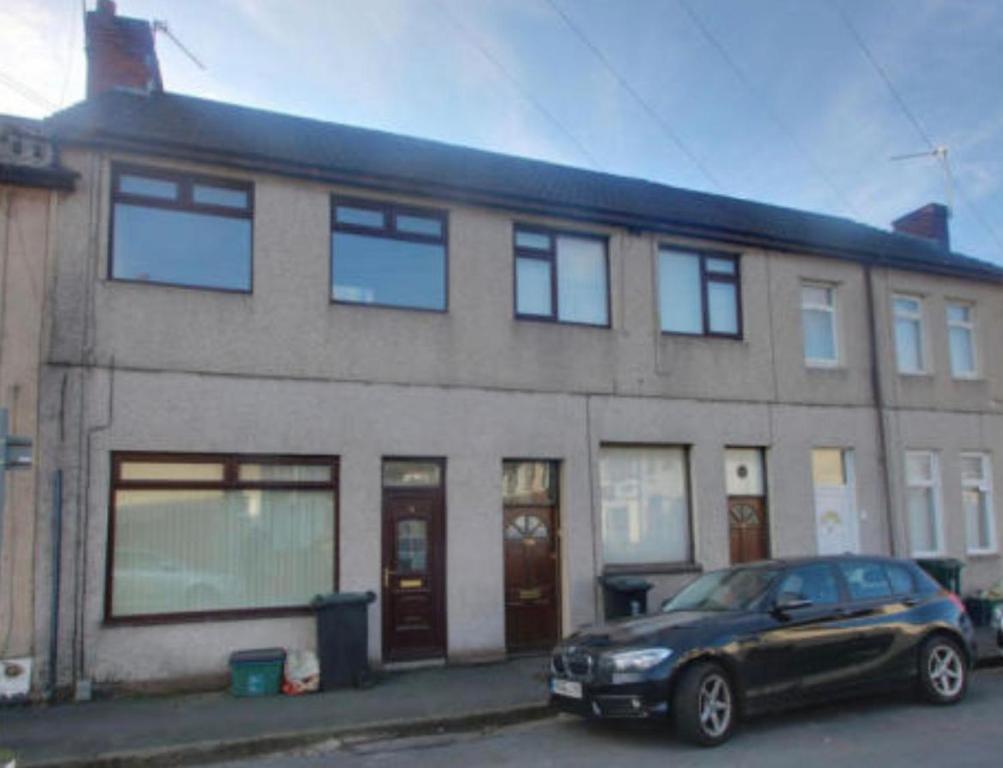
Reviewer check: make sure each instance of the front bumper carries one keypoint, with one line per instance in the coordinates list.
(633, 701)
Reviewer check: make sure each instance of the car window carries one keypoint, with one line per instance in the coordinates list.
(735, 589)
(866, 580)
(900, 578)
(810, 582)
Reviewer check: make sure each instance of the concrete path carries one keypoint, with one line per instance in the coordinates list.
(197, 728)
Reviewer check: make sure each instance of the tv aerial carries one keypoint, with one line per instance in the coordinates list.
(940, 153)
(161, 26)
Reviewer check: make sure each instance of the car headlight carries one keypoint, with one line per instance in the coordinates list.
(998, 617)
(637, 661)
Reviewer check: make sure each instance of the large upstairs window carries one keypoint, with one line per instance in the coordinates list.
(698, 293)
(179, 229)
(388, 255)
(561, 277)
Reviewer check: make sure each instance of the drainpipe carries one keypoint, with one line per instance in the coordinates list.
(879, 405)
(57, 548)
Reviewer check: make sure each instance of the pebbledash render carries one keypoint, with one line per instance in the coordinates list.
(284, 357)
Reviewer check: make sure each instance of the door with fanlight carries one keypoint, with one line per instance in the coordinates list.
(748, 525)
(529, 533)
(413, 559)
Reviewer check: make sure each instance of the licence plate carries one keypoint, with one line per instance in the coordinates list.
(568, 688)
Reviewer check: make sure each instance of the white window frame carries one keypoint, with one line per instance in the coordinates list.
(934, 484)
(984, 486)
(833, 309)
(917, 317)
(968, 326)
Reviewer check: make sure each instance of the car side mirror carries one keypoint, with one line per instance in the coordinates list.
(784, 606)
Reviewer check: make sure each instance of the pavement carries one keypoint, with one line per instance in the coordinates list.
(890, 731)
(176, 730)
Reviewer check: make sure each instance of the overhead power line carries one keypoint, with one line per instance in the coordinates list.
(911, 117)
(26, 92)
(763, 99)
(634, 94)
(465, 33)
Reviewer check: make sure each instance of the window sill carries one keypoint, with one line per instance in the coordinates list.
(982, 553)
(824, 367)
(553, 321)
(394, 307)
(974, 378)
(241, 614)
(916, 374)
(182, 286)
(652, 568)
(706, 336)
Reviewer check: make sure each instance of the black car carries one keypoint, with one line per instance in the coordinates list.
(770, 635)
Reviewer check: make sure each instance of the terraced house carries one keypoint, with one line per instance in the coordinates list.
(285, 357)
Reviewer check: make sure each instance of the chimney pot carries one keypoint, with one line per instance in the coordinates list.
(930, 222)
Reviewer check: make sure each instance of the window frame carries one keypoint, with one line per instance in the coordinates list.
(667, 566)
(935, 485)
(984, 486)
(706, 277)
(231, 481)
(833, 310)
(550, 257)
(389, 231)
(969, 326)
(184, 202)
(925, 367)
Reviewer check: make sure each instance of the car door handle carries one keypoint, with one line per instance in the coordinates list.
(910, 601)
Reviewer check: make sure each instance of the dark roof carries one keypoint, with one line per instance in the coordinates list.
(185, 127)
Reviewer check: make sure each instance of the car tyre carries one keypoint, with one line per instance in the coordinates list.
(943, 671)
(704, 705)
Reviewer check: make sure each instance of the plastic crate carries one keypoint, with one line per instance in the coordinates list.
(257, 672)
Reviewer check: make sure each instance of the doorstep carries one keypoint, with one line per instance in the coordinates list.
(174, 730)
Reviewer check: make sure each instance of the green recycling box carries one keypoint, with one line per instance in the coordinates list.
(257, 672)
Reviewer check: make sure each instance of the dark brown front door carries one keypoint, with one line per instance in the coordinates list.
(413, 565)
(529, 532)
(748, 529)
(530, 578)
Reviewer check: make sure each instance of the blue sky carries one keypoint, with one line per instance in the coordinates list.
(773, 100)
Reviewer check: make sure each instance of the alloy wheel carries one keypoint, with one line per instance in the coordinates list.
(715, 705)
(946, 671)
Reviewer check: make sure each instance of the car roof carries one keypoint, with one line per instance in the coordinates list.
(786, 562)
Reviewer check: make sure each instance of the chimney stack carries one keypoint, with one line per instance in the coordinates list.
(120, 53)
(930, 222)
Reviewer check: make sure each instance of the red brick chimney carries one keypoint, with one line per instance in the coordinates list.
(120, 53)
(930, 222)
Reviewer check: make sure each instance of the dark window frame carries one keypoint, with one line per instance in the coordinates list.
(389, 231)
(707, 277)
(184, 202)
(550, 256)
(231, 481)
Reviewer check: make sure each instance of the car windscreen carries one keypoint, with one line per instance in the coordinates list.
(737, 589)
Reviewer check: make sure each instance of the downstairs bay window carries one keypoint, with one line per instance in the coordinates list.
(645, 506)
(199, 536)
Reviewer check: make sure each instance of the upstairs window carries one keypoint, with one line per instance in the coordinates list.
(698, 293)
(561, 277)
(818, 322)
(961, 340)
(179, 229)
(387, 255)
(910, 347)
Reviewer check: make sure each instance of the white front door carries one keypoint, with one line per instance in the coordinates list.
(836, 520)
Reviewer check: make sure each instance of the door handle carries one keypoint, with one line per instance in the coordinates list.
(386, 578)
